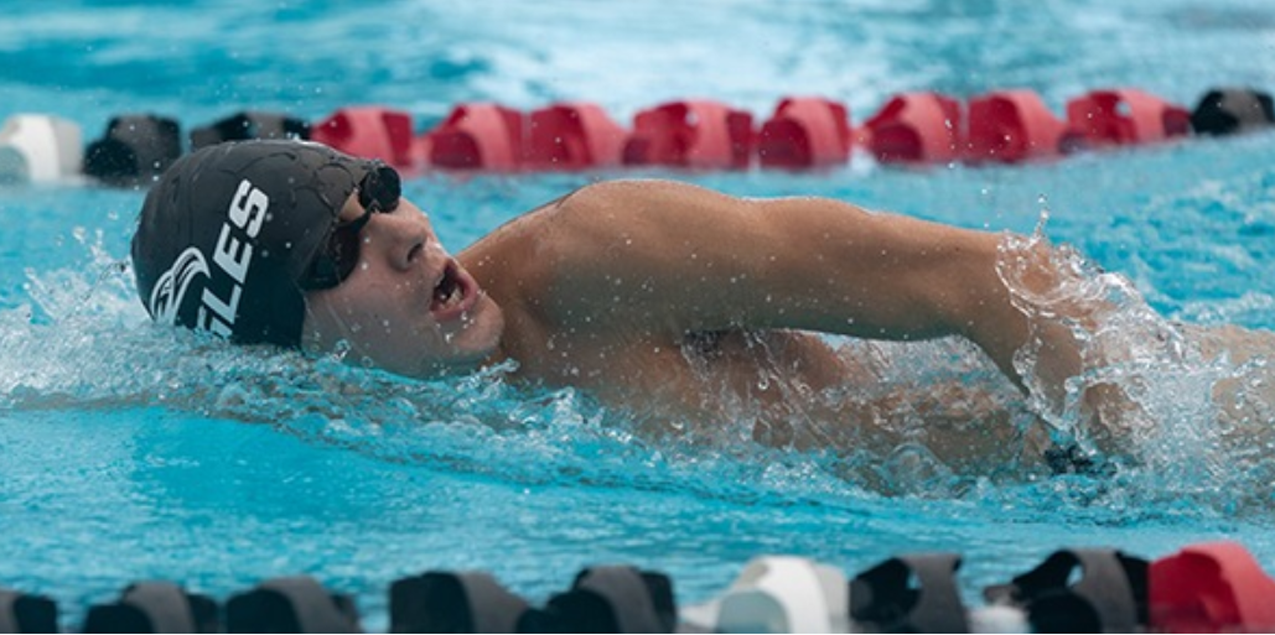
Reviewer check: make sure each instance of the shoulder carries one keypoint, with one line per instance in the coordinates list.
(559, 235)
(641, 208)
(630, 192)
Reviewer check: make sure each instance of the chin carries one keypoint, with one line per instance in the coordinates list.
(478, 340)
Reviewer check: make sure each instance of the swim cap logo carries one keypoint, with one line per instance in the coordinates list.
(170, 289)
(232, 257)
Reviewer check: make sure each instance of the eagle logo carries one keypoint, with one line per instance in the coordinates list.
(170, 289)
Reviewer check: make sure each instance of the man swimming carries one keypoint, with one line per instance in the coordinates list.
(655, 296)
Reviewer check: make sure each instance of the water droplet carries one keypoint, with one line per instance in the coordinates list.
(340, 350)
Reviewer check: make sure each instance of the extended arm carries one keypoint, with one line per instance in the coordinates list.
(684, 258)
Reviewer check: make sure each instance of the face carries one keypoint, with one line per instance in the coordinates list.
(407, 307)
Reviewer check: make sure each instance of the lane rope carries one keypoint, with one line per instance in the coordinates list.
(802, 133)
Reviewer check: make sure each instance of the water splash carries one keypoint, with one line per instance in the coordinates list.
(943, 422)
(85, 344)
(1151, 395)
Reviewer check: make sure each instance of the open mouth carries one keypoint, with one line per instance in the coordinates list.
(451, 293)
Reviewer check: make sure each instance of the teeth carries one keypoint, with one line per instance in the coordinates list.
(453, 295)
(450, 292)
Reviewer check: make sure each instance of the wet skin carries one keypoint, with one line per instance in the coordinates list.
(409, 307)
(671, 300)
(656, 295)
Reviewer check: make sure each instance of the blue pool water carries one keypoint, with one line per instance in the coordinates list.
(129, 451)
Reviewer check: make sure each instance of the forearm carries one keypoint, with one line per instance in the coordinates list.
(886, 276)
(675, 257)
(874, 274)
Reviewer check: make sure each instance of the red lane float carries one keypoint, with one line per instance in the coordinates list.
(573, 136)
(1125, 116)
(478, 136)
(920, 127)
(700, 134)
(370, 132)
(1012, 126)
(1210, 588)
(805, 132)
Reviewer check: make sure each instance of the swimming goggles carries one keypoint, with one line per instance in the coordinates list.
(379, 192)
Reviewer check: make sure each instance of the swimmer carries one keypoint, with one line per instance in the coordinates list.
(654, 296)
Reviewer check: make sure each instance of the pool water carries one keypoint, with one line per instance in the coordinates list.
(132, 451)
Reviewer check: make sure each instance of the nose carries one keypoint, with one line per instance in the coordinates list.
(404, 238)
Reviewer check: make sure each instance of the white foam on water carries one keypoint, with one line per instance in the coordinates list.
(1184, 415)
(1180, 410)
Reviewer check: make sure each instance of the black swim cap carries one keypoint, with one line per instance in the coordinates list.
(228, 232)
